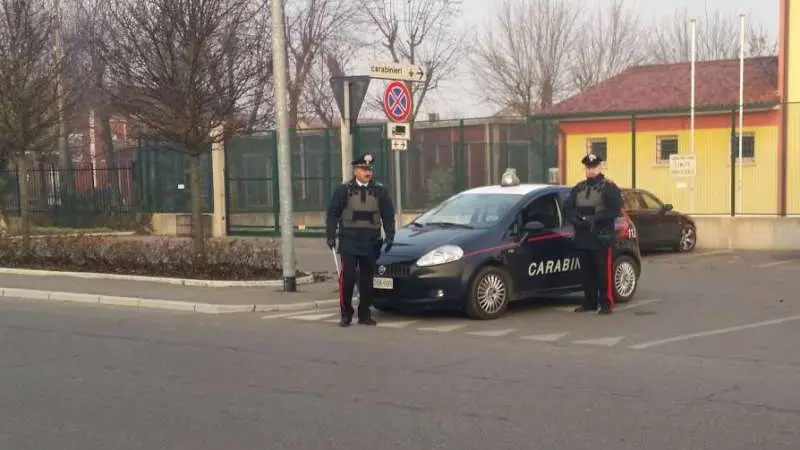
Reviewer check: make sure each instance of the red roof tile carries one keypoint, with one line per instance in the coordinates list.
(667, 86)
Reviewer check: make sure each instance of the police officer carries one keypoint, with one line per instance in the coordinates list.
(592, 207)
(358, 209)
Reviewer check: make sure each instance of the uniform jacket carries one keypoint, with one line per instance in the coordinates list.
(359, 241)
(594, 229)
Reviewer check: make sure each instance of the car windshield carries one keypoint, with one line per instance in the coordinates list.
(469, 210)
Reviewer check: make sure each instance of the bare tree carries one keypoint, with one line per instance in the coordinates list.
(318, 97)
(610, 42)
(313, 28)
(717, 38)
(416, 32)
(521, 57)
(181, 68)
(30, 104)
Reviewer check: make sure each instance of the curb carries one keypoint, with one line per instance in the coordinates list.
(149, 303)
(308, 279)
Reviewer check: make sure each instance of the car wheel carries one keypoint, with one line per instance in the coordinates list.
(688, 239)
(489, 294)
(626, 278)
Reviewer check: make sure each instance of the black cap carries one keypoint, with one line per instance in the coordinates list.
(365, 161)
(592, 160)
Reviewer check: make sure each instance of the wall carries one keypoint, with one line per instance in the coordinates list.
(748, 233)
(712, 183)
(792, 60)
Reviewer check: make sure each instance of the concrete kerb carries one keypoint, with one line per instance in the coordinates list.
(308, 279)
(148, 303)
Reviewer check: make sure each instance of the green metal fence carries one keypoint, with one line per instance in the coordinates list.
(444, 157)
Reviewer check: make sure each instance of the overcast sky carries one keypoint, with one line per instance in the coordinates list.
(456, 98)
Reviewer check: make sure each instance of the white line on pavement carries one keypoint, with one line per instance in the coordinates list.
(402, 324)
(605, 342)
(639, 303)
(311, 316)
(444, 328)
(493, 333)
(686, 337)
(712, 253)
(777, 263)
(545, 337)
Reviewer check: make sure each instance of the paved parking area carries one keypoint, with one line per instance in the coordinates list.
(732, 304)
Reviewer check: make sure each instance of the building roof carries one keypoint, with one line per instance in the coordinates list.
(668, 86)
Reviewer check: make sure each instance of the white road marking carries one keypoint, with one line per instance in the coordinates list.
(606, 342)
(711, 253)
(776, 263)
(396, 325)
(639, 303)
(311, 317)
(493, 333)
(295, 313)
(686, 337)
(545, 337)
(568, 309)
(443, 329)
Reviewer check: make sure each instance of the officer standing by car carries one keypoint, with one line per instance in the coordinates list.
(358, 209)
(593, 207)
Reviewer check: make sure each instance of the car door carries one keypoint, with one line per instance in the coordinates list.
(540, 262)
(643, 218)
(667, 223)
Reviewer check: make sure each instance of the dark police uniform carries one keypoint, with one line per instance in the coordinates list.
(359, 212)
(593, 207)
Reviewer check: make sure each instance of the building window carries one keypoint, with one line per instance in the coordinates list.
(665, 146)
(748, 147)
(597, 146)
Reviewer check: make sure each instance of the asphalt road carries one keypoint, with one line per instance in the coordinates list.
(707, 359)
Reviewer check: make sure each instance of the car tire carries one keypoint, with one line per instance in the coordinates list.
(687, 241)
(625, 275)
(489, 294)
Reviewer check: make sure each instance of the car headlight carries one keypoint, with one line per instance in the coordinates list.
(441, 255)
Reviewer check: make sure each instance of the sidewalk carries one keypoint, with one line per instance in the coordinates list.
(144, 294)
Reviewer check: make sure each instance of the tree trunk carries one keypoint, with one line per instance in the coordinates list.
(24, 214)
(111, 156)
(196, 187)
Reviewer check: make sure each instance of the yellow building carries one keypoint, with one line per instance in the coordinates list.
(640, 117)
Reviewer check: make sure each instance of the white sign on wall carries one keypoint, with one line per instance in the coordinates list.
(682, 165)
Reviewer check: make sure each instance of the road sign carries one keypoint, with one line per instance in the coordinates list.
(397, 101)
(682, 165)
(399, 144)
(398, 131)
(395, 71)
(356, 89)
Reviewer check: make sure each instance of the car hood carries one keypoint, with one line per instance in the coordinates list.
(416, 241)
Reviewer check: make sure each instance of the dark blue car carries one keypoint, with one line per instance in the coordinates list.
(485, 247)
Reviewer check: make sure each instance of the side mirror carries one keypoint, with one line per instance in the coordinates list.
(533, 226)
(668, 207)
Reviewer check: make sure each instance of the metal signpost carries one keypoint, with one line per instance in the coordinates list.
(397, 104)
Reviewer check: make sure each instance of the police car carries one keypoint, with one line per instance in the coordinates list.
(485, 247)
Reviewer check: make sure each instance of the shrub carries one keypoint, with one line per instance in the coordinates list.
(225, 259)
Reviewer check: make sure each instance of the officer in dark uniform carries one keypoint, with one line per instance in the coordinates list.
(592, 207)
(358, 209)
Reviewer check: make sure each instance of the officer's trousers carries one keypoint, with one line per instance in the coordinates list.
(347, 281)
(598, 280)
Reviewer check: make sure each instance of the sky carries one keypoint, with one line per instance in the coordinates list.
(457, 99)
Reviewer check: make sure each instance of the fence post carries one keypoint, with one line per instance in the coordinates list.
(463, 152)
(327, 169)
(733, 163)
(633, 151)
(276, 213)
(543, 153)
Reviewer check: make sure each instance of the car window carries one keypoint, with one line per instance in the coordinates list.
(543, 209)
(631, 201)
(483, 210)
(650, 201)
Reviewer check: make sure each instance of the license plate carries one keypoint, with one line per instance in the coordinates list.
(383, 283)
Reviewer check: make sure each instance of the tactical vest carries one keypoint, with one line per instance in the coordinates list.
(362, 209)
(589, 200)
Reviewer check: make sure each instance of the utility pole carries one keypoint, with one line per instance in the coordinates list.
(284, 155)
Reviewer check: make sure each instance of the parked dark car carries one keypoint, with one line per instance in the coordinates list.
(657, 223)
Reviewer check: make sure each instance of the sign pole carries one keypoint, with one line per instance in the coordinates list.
(346, 136)
(397, 191)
